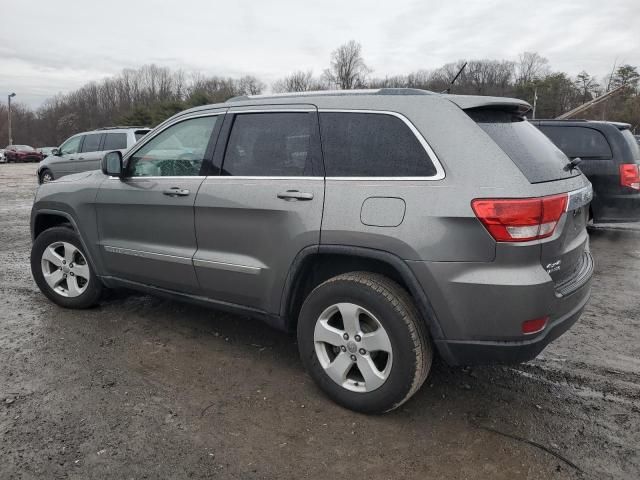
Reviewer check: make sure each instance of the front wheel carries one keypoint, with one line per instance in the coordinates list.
(46, 176)
(363, 342)
(61, 270)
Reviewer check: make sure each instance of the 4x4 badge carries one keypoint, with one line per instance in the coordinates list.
(553, 267)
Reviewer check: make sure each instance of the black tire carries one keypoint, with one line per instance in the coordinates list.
(394, 309)
(93, 291)
(42, 175)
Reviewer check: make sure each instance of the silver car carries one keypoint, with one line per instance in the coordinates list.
(84, 151)
(383, 227)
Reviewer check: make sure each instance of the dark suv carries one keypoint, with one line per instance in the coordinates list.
(382, 226)
(610, 159)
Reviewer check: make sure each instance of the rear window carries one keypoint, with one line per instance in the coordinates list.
(633, 145)
(580, 142)
(532, 152)
(371, 145)
(115, 141)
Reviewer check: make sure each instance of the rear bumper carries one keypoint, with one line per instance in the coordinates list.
(616, 208)
(487, 352)
(480, 308)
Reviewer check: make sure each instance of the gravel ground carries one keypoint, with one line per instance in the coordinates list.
(141, 387)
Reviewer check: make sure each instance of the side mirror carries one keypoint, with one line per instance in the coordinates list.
(55, 152)
(112, 164)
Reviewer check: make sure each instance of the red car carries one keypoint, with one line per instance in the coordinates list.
(22, 153)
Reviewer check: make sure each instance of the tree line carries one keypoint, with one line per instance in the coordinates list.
(150, 94)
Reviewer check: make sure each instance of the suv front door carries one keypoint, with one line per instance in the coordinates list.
(146, 220)
(67, 155)
(263, 208)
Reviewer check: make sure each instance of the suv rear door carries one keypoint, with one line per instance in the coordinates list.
(145, 220)
(563, 255)
(264, 207)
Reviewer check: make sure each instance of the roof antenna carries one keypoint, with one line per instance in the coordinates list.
(448, 90)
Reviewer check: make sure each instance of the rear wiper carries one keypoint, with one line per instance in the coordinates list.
(573, 164)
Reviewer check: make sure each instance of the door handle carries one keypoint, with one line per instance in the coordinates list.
(176, 192)
(290, 195)
(80, 158)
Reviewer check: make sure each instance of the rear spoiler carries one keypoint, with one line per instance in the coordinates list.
(467, 102)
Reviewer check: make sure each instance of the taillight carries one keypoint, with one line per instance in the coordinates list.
(630, 175)
(520, 219)
(534, 326)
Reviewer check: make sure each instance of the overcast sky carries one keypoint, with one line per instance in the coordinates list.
(48, 47)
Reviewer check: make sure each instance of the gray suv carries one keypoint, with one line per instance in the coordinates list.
(382, 227)
(84, 151)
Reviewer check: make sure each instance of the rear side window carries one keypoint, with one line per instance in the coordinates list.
(632, 144)
(371, 145)
(579, 141)
(532, 152)
(115, 141)
(91, 142)
(271, 144)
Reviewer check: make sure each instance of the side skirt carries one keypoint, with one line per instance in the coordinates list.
(274, 321)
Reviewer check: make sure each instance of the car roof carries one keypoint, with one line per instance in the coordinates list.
(370, 97)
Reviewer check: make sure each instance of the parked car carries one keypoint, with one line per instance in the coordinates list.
(3, 159)
(382, 226)
(637, 137)
(610, 158)
(46, 151)
(22, 153)
(84, 151)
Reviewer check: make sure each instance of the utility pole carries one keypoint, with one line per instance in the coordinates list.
(535, 101)
(9, 113)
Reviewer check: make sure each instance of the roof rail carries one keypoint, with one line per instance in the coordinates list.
(120, 127)
(324, 93)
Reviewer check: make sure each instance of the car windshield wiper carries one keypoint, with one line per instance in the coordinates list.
(573, 164)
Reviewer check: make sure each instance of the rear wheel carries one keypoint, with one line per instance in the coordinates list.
(60, 267)
(362, 340)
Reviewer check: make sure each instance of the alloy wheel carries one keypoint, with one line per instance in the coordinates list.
(353, 347)
(65, 269)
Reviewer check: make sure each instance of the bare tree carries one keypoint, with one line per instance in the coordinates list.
(347, 70)
(530, 66)
(298, 81)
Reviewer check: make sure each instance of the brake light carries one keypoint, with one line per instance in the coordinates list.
(534, 326)
(520, 219)
(630, 175)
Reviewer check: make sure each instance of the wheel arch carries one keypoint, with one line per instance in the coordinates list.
(44, 219)
(315, 264)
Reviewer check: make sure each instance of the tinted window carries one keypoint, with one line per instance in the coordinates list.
(579, 141)
(71, 146)
(633, 145)
(532, 152)
(115, 141)
(371, 145)
(91, 143)
(270, 144)
(177, 151)
(140, 133)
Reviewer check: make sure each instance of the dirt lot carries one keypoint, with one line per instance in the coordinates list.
(147, 388)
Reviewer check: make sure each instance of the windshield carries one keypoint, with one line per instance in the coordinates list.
(533, 153)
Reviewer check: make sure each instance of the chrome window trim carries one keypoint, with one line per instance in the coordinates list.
(439, 175)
